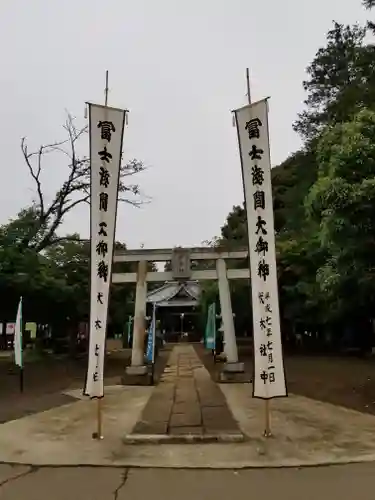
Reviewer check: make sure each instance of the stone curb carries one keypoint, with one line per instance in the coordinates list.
(235, 465)
(234, 437)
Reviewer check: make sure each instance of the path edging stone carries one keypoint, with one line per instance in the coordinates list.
(235, 437)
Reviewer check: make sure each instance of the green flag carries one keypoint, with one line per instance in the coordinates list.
(210, 332)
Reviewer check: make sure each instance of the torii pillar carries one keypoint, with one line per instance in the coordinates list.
(230, 350)
(138, 366)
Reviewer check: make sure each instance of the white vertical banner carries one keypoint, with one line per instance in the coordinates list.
(106, 127)
(18, 337)
(253, 139)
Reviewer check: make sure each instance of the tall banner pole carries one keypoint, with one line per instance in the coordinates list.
(253, 140)
(267, 410)
(99, 434)
(99, 408)
(106, 130)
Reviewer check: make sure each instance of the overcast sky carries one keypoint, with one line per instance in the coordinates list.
(179, 66)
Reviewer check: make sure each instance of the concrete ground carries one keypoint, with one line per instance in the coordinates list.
(306, 432)
(59, 446)
(345, 482)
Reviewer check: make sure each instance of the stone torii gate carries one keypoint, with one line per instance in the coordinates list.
(181, 271)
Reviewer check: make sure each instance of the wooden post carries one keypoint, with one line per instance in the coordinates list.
(267, 412)
(21, 379)
(100, 419)
(267, 415)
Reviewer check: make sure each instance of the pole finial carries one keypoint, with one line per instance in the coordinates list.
(248, 85)
(106, 89)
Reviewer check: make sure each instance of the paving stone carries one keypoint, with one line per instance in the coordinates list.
(210, 390)
(216, 419)
(188, 387)
(188, 393)
(156, 414)
(188, 397)
(211, 400)
(151, 428)
(165, 387)
(186, 419)
(185, 406)
(183, 431)
(188, 390)
(210, 413)
(208, 386)
(160, 400)
(190, 401)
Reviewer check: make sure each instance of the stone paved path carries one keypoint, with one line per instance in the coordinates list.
(187, 403)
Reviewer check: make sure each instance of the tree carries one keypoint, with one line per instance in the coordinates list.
(291, 181)
(323, 197)
(69, 260)
(301, 302)
(234, 231)
(341, 80)
(43, 218)
(342, 202)
(369, 4)
(55, 282)
(298, 250)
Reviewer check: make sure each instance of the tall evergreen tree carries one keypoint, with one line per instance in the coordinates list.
(341, 81)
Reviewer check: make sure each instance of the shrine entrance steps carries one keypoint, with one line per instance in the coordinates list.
(186, 406)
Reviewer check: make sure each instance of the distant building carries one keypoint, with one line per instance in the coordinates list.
(177, 309)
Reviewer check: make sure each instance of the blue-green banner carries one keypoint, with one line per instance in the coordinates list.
(210, 332)
(150, 353)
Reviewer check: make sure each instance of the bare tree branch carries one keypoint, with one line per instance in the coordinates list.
(35, 176)
(75, 190)
(62, 239)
